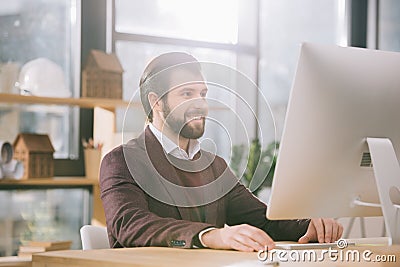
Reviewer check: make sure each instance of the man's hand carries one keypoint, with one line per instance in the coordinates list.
(242, 237)
(323, 231)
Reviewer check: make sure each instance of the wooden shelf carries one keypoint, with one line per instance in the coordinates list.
(85, 102)
(74, 181)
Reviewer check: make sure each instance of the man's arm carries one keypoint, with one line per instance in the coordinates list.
(248, 215)
(249, 228)
(245, 208)
(242, 207)
(128, 217)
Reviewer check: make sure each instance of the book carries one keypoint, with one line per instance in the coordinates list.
(43, 246)
(30, 249)
(51, 245)
(25, 255)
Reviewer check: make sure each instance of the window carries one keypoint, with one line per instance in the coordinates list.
(284, 25)
(389, 25)
(45, 29)
(223, 31)
(191, 20)
(262, 40)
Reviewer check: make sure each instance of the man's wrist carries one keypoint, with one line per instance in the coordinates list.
(200, 235)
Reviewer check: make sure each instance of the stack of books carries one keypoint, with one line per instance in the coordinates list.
(42, 246)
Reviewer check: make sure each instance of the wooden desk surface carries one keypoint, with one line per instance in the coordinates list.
(156, 257)
(146, 256)
(14, 261)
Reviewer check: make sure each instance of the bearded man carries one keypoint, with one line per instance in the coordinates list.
(161, 189)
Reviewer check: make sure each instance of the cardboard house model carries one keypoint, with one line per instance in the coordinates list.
(36, 153)
(102, 76)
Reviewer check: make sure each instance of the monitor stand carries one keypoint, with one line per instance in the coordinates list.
(387, 175)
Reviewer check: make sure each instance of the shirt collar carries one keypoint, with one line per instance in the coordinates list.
(173, 149)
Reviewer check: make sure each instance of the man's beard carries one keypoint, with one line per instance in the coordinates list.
(181, 126)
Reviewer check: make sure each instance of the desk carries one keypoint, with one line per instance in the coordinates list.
(14, 261)
(156, 257)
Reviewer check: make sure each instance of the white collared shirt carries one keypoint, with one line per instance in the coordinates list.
(172, 148)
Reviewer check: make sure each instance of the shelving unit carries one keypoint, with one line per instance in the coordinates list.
(104, 127)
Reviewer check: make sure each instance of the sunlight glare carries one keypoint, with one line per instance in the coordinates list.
(206, 20)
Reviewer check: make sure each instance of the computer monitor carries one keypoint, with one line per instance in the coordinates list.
(337, 156)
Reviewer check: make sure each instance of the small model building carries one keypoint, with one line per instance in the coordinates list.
(102, 76)
(36, 153)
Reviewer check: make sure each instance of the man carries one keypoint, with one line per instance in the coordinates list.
(161, 189)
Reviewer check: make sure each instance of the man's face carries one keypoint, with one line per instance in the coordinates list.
(185, 106)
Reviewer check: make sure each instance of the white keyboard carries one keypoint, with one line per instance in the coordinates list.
(374, 241)
(297, 246)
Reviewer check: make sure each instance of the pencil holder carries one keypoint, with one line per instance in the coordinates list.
(92, 162)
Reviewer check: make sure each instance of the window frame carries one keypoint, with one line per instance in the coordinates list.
(239, 49)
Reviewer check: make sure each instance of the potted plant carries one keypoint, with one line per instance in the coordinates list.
(260, 166)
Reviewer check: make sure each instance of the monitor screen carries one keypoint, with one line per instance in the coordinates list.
(339, 98)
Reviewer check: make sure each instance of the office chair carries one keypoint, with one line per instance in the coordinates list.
(94, 237)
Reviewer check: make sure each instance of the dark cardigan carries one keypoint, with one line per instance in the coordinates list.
(136, 206)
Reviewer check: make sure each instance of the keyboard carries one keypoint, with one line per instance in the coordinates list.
(297, 246)
(343, 243)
